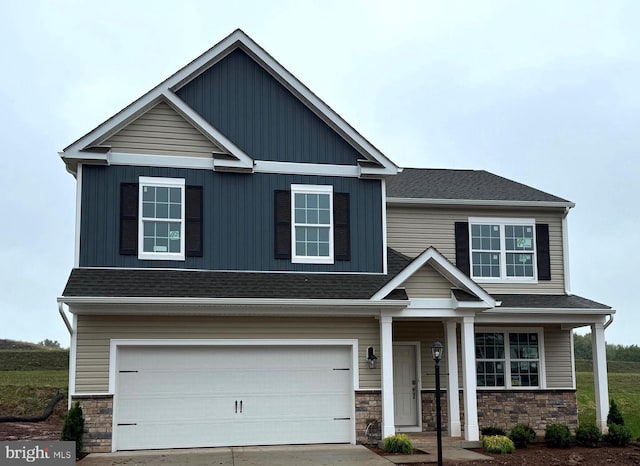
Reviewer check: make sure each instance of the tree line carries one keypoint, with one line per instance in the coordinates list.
(582, 350)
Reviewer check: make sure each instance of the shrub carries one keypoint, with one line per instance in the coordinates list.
(398, 443)
(73, 428)
(618, 435)
(557, 436)
(614, 416)
(588, 436)
(522, 435)
(497, 444)
(493, 430)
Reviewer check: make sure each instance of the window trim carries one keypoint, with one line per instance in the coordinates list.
(162, 182)
(542, 378)
(311, 189)
(502, 222)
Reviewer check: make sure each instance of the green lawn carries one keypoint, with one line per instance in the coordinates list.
(27, 393)
(623, 387)
(57, 378)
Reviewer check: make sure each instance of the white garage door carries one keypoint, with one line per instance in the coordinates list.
(177, 397)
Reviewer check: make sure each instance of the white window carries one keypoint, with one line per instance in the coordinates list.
(509, 358)
(161, 228)
(312, 225)
(503, 249)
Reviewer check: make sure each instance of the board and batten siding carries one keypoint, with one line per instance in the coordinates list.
(262, 117)
(162, 131)
(238, 220)
(427, 283)
(95, 333)
(410, 230)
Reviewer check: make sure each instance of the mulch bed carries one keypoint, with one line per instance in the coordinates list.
(539, 455)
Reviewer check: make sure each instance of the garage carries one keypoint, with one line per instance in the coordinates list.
(205, 396)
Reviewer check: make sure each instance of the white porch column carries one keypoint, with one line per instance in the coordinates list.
(386, 352)
(471, 430)
(600, 375)
(453, 400)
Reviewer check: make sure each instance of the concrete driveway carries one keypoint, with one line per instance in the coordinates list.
(307, 455)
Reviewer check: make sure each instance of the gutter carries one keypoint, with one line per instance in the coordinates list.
(229, 301)
(478, 202)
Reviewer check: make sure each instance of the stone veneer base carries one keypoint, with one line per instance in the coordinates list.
(498, 408)
(98, 416)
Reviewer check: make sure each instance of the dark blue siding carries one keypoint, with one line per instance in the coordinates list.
(257, 113)
(238, 228)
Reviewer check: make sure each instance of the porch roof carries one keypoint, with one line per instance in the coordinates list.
(545, 301)
(111, 282)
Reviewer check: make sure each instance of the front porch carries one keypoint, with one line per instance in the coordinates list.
(406, 401)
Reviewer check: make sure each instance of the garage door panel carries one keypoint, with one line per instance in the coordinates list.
(197, 408)
(321, 405)
(180, 397)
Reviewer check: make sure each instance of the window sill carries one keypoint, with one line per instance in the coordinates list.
(531, 281)
(507, 389)
(161, 257)
(312, 260)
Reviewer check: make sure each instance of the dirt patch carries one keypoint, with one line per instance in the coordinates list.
(539, 454)
(45, 430)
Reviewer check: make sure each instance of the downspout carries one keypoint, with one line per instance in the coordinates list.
(565, 251)
(72, 351)
(64, 317)
(608, 322)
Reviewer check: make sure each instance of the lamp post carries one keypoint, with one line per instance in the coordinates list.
(436, 352)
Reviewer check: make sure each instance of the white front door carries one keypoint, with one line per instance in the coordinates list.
(180, 397)
(406, 386)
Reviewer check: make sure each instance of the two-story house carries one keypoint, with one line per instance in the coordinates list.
(250, 270)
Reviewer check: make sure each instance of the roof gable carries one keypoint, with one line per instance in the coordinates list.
(162, 130)
(426, 282)
(373, 162)
(432, 257)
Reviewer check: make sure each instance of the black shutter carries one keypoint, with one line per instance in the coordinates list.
(129, 219)
(341, 233)
(193, 227)
(282, 209)
(542, 251)
(462, 247)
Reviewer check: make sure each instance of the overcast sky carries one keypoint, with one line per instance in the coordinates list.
(545, 93)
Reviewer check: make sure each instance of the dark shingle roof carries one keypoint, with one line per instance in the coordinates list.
(533, 301)
(424, 183)
(205, 284)
(462, 295)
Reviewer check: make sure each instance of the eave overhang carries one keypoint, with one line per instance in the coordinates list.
(130, 305)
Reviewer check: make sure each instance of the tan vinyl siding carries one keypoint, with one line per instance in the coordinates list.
(558, 365)
(427, 283)
(95, 332)
(410, 230)
(162, 131)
